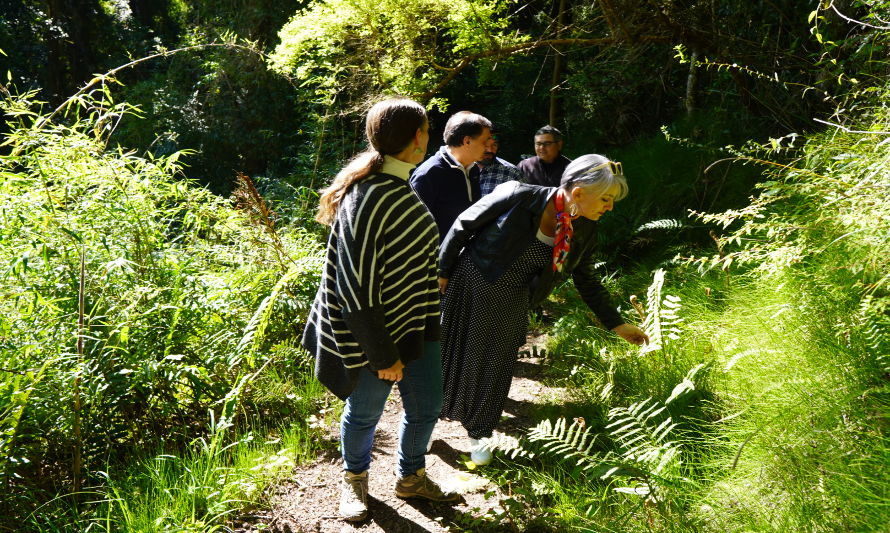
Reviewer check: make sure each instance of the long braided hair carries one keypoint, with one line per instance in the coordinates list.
(390, 126)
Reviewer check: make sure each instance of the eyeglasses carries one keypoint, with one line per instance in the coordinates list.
(542, 144)
(614, 166)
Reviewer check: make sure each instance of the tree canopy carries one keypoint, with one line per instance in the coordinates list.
(366, 47)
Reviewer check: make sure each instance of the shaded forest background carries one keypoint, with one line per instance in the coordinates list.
(158, 250)
(619, 82)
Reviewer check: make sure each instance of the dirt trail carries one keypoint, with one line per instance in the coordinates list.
(308, 501)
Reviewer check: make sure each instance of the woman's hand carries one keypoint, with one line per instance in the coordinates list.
(443, 283)
(631, 334)
(393, 373)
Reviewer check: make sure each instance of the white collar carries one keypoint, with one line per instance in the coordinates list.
(396, 167)
(455, 162)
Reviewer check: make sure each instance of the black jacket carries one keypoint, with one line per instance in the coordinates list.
(442, 185)
(498, 228)
(537, 172)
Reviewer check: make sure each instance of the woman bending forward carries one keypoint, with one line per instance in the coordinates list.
(502, 257)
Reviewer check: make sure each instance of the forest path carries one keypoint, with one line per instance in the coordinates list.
(308, 501)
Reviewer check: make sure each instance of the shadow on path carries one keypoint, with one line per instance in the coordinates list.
(308, 501)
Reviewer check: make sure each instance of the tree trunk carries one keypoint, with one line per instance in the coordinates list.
(56, 69)
(691, 82)
(557, 67)
(75, 44)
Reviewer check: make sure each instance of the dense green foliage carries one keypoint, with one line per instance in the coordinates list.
(348, 49)
(150, 377)
(135, 304)
(761, 404)
(227, 108)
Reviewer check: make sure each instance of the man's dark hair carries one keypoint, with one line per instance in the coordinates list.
(550, 130)
(463, 124)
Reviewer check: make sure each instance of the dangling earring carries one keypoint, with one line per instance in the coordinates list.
(573, 210)
(417, 150)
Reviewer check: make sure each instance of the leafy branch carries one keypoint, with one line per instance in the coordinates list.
(109, 76)
(506, 51)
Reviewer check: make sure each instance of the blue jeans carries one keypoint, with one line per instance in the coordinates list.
(421, 390)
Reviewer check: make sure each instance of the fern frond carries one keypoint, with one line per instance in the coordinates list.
(663, 321)
(687, 385)
(873, 317)
(663, 224)
(249, 200)
(652, 324)
(574, 441)
(509, 445)
(640, 432)
(256, 326)
(643, 452)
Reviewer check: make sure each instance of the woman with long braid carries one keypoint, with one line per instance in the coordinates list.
(375, 318)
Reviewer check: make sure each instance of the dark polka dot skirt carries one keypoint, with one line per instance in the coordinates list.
(483, 326)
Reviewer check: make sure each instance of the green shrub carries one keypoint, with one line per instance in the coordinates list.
(133, 301)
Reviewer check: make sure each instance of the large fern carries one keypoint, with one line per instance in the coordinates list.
(641, 452)
(255, 329)
(662, 322)
(873, 318)
(640, 432)
(573, 443)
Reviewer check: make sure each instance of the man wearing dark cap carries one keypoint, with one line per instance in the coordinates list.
(547, 166)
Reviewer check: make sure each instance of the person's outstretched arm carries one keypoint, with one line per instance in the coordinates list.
(599, 301)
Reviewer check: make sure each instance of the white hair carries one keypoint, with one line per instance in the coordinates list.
(579, 174)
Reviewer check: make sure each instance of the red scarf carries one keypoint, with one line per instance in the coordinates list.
(563, 238)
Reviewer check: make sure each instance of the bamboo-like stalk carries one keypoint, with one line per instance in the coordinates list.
(77, 465)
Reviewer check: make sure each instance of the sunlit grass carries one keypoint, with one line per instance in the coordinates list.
(201, 489)
(802, 415)
(217, 479)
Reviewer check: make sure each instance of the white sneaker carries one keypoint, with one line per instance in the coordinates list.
(354, 496)
(479, 452)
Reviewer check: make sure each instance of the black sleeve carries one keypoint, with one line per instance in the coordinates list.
(593, 293)
(483, 212)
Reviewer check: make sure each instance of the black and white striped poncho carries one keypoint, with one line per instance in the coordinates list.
(378, 300)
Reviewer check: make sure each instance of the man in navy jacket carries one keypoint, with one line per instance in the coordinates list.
(448, 182)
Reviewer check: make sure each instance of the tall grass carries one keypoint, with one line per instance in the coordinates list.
(771, 361)
(203, 489)
(803, 413)
(132, 304)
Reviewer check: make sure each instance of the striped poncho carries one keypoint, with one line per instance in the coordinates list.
(378, 300)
